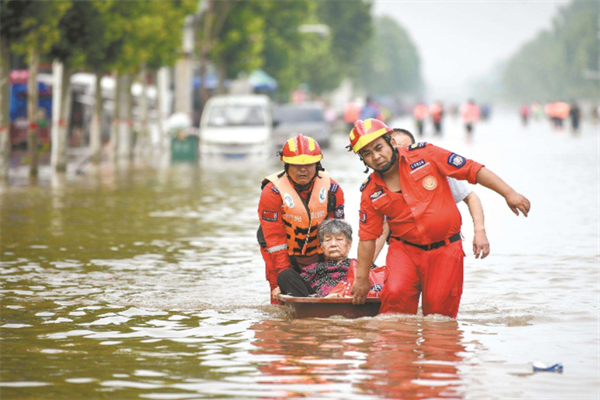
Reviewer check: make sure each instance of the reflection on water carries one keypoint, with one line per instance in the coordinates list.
(145, 281)
(390, 357)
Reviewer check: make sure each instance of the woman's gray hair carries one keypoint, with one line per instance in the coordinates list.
(335, 227)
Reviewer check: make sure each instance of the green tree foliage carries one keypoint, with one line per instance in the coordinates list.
(317, 67)
(553, 65)
(351, 26)
(11, 18)
(389, 64)
(239, 43)
(33, 23)
(76, 29)
(283, 40)
(164, 41)
(246, 35)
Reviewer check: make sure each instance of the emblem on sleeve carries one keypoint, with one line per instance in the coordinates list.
(288, 200)
(415, 146)
(333, 188)
(270, 216)
(362, 217)
(273, 188)
(365, 183)
(429, 182)
(456, 160)
(339, 212)
(322, 195)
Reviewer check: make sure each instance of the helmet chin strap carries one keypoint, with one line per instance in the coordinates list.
(389, 165)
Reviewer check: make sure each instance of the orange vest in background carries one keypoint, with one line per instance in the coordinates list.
(351, 113)
(562, 109)
(301, 221)
(470, 113)
(420, 112)
(436, 112)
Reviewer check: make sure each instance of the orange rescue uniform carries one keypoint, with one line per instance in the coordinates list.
(424, 213)
(283, 216)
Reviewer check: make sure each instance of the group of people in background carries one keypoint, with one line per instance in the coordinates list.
(556, 111)
(470, 113)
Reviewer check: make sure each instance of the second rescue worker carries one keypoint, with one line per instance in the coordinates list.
(409, 187)
(292, 204)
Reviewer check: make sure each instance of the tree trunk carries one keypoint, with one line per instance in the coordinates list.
(144, 135)
(125, 140)
(32, 111)
(57, 86)
(65, 118)
(115, 123)
(161, 96)
(96, 129)
(204, 49)
(60, 103)
(4, 109)
(222, 76)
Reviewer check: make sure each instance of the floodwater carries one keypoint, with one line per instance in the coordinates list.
(145, 282)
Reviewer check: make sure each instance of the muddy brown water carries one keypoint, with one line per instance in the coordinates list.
(145, 281)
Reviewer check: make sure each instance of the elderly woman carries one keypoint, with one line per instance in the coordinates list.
(321, 278)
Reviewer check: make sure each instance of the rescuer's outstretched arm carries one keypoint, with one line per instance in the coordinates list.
(514, 200)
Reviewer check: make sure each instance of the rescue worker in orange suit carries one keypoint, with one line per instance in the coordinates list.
(420, 113)
(409, 188)
(470, 114)
(292, 204)
(436, 110)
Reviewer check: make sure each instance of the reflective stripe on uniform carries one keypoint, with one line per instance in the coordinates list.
(277, 248)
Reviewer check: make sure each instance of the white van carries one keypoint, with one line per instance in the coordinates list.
(236, 127)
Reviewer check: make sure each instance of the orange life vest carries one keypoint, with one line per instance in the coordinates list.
(301, 219)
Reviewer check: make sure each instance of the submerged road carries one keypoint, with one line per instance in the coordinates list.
(146, 282)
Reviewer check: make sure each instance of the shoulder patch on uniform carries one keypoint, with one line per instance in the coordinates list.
(415, 146)
(417, 164)
(333, 188)
(365, 183)
(362, 217)
(273, 188)
(270, 216)
(339, 212)
(456, 161)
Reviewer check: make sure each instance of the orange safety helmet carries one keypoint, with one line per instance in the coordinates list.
(364, 132)
(301, 150)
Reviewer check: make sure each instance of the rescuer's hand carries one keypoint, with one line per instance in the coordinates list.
(276, 292)
(518, 202)
(360, 289)
(481, 246)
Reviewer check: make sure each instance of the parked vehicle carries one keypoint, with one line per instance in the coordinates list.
(308, 119)
(236, 127)
(19, 121)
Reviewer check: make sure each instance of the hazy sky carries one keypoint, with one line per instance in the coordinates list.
(461, 40)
